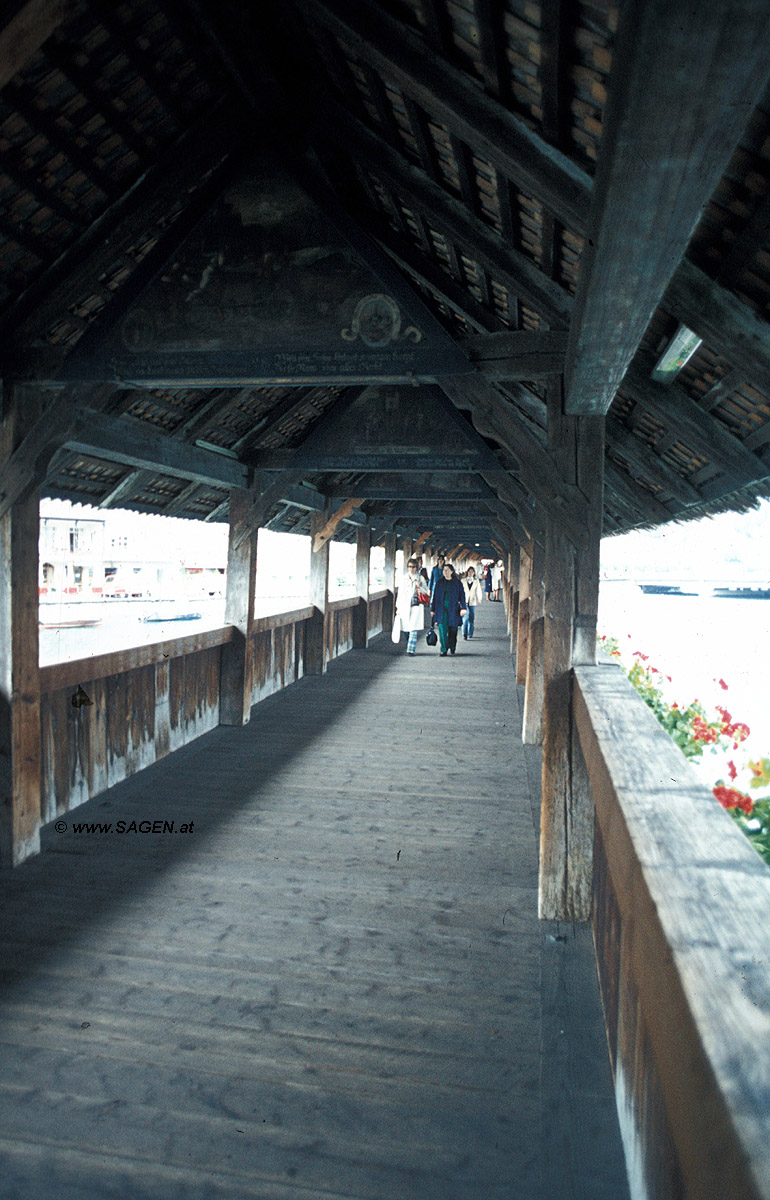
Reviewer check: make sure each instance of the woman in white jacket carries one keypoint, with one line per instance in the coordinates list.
(474, 597)
(408, 607)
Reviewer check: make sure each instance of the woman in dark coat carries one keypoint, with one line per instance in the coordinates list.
(448, 607)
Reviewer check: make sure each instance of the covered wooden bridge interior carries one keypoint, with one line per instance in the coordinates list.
(490, 276)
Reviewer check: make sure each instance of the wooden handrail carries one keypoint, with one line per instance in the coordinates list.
(279, 620)
(116, 662)
(70, 674)
(684, 954)
(339, 605)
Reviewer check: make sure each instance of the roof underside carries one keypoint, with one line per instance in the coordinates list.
(452, 143)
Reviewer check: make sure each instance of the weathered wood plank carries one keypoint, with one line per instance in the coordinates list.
(572, 588)
(20, 730)
(297, 981)
(361, 614)
(517, 354)
(656, 172)
(522, 633)
(686, 884)
(136, 444)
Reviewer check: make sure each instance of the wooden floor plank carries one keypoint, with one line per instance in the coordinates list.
(335, 986)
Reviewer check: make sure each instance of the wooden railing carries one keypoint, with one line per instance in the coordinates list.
(380, 612)
(682, 934)
(278, 647)
(105, 718)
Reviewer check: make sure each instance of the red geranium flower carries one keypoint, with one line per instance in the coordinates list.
(732, 798)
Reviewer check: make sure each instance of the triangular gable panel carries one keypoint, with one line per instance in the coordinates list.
(389, 428)
(266, 289)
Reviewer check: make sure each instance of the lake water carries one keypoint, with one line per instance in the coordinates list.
(122, 625)
(698, 640)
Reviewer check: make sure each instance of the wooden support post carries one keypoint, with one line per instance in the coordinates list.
(522, 635)
(532, 722)
(508, 591)
(361, 612)
(515, 575)
(315, 640)
(237, 671)
(390, 573)
(406, 547)
(571, 589)
(20, 742)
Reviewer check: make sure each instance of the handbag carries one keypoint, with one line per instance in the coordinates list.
(423, 597)
(395, 636)
(431, 637)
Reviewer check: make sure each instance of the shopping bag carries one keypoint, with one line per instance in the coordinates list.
(395, 636)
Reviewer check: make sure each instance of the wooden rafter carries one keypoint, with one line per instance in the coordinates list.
(447, 94)
(724, 322)
(681, 88)
(677, 412)
(326, 533)
(539, 474)
(136, 444)
(29, 463)
(144, 205)
(517, 355)
(439, 283)
(27, 30)
(509, 266)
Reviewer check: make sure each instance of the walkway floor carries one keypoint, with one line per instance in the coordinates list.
(334, 986)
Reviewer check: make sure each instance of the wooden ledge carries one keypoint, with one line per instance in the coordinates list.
(279, 620)
(348, 602)
(695, 943)
(117, 662)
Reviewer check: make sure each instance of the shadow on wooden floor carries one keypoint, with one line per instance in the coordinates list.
(334, 985)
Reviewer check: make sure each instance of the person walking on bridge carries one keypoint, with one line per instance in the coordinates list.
(409, 607)
(435, 574)
(448, 607)
(473, 597)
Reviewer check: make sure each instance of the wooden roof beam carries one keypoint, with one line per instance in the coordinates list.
(326, 534)
(136, 444)
(27, 30)
(683, 84)
(517, 354)
(29, 463)
(145, 204)
(677, 412)
(494, 417)
(447, 94)
(512, 268)
(725, 323)
(428, 274)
